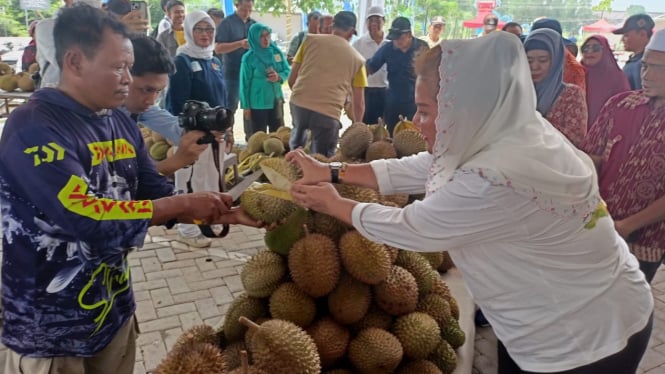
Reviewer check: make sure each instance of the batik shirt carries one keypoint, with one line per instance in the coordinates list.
(75, 192)
(632, 173)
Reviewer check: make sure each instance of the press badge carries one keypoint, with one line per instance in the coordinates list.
(278, 57)
(196, 66)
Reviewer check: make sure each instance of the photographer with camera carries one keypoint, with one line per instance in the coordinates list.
(198, 77)
(150, 73)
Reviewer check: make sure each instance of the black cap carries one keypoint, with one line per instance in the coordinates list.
(345, 20)
(400, 25)
(636, 22)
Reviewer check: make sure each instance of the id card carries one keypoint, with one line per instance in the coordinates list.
(196, 66)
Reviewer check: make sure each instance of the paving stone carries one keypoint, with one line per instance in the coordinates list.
(149, 285)
(191, 296)
(163, 274)
(207, 308)
(160, 324)
(176, 309)
(178, 264)
(222, 295)
(178, 285)
(153, 354)
(188, 320)
(145, 311)
(205, 264)
(234, 283)
(161, 297)
(206, 284)
(171, 336)
(141, 295)
(139, 368)
(165, 254)
(151, 264)
(137, 274)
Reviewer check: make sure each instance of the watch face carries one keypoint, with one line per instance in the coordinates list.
(336, 165)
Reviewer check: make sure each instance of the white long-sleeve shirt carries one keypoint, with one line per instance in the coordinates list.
(558, 295)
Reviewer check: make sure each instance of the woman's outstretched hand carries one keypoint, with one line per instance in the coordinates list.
(321, 197)
(313, 171)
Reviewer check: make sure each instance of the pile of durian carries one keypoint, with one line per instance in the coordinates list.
(157, 145)
(323, 299)
(10, 82)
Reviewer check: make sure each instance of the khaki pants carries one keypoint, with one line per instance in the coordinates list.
(117, 358)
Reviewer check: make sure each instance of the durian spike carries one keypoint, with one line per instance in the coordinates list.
(305, 229)
(248, 323)
(401, 117)
(380, 122)
(244, 362)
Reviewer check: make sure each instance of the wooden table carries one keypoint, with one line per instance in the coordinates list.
(8, 98)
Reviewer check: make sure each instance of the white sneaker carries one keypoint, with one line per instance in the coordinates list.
(199, 241)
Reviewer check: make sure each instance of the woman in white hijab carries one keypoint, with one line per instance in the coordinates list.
(517, 207)
(198, 77)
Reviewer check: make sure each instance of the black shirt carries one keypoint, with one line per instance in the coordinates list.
(231, 29)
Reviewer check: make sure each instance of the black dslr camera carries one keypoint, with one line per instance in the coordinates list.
(198, 115)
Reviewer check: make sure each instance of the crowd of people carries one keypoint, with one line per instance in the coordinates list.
(543, 176)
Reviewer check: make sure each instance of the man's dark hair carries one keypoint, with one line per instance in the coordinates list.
(214, 12)
(238, 2)
(163, 3)
(313, 15)
(150, 56)
(83, 26)
(511, 24)
(173, 3)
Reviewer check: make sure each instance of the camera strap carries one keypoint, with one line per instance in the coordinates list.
(207, 230)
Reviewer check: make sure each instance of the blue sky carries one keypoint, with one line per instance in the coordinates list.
(650, 5)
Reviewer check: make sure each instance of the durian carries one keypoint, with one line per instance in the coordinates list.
(315, 265)
(375, 351)
(263, 273)
(398, 294)
(409, 142)
(290, 303)
(355, 140)
(331, 339)
(365, 260)
(350, 300)
(242, 305)
(418, 333)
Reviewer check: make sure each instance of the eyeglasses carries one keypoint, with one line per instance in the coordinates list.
(592, 48)
(206, 30)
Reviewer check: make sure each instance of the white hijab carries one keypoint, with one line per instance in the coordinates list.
(190, 48)
(488, 124)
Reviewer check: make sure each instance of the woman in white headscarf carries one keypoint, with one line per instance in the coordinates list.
(198, 77)
(517, 207)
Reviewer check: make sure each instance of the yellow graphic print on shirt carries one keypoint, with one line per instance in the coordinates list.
(46, 153)
(104, 150)
(114, 280)
(74, 198)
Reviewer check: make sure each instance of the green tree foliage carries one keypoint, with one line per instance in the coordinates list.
(13, 20)
(571, 13)
(603, 7)
(635, 9)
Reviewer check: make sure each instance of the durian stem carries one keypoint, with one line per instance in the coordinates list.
(248, 323)
(244, 362)
(305, 229)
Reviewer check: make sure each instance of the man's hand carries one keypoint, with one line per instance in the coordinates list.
(623, 228)
(204, 208)
(237, 215)
(188, 150)
(135, 21)
(244, 44)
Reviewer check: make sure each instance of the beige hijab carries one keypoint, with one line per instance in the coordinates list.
(488, 124)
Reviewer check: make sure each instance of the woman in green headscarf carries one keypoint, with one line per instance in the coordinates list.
(262, 71)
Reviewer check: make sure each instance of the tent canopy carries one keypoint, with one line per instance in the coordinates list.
(601, 26)
(484, 8)
(478, 21)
